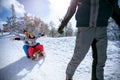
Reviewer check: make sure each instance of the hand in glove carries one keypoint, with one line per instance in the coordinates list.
(62, 25)
(60, 29)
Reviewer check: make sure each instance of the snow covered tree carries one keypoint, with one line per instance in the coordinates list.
(53, 30)
(44, 27)
(69, 30)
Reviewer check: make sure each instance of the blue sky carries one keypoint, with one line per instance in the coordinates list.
(40, 8)
(47, 10)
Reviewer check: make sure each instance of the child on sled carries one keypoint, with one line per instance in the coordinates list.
(35, 49)
(31, 48)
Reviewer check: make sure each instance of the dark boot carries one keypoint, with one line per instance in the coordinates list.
(28, 56)
(33, 58)
(68, 77)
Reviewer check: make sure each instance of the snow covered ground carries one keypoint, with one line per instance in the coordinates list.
(15, 66)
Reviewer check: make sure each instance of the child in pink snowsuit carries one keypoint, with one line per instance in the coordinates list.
(33, 49)
(33, 46)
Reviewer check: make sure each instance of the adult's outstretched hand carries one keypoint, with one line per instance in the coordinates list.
(60, 29)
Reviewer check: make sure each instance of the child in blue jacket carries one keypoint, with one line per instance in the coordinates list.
(28, 42)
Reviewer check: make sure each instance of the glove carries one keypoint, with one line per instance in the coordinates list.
(60, 29)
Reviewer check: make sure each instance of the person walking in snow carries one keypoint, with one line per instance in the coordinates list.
(31, 46)
(91, 20)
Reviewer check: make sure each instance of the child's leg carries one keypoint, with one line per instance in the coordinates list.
(31, 51)
(39, 47)
(25, 48)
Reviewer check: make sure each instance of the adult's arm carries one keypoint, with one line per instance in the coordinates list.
(71, 10)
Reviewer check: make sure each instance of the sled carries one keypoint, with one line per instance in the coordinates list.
(38, 54)
(39, 61)
(39, 57)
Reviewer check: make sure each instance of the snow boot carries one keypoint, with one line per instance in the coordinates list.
(68, 77)
(28, 56)
(33, 58)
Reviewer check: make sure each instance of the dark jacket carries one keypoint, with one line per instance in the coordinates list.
(96, 14)
(83, 13)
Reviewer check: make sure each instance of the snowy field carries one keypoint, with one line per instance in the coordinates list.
(15, 66)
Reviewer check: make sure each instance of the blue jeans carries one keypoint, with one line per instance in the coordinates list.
(25, 48)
